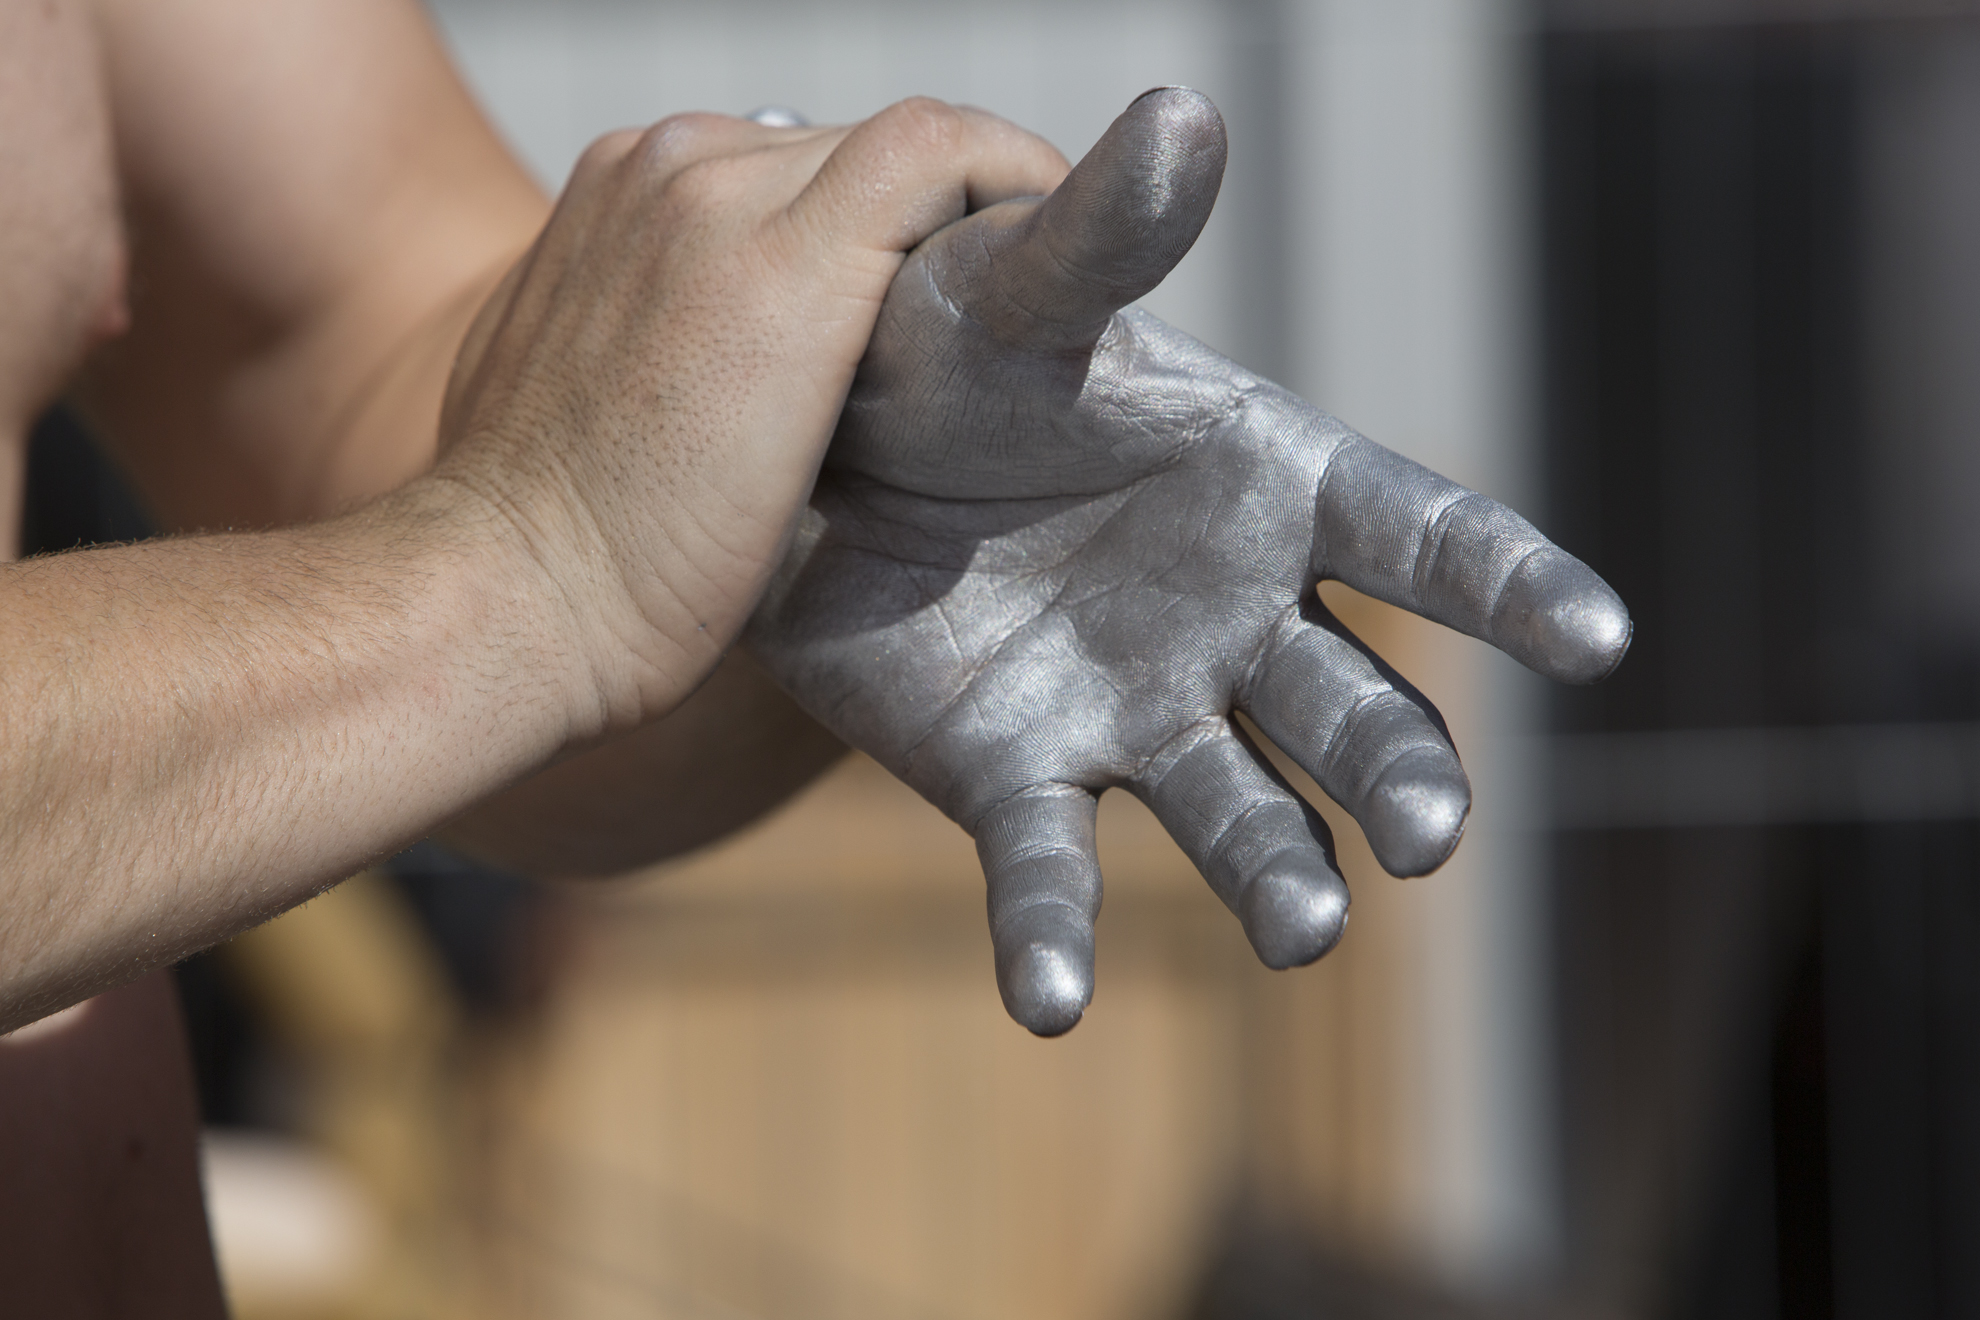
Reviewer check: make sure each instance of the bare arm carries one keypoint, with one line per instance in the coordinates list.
(197, 733)
(733, 750)
(319, 209)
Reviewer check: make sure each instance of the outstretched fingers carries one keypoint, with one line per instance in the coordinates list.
(1265, 852)
(1399, 532)
(1043, 874)
(1371, 741)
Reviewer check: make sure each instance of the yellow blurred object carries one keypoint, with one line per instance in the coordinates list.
(347, 985)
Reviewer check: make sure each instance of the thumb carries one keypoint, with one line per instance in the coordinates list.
(1120, 222)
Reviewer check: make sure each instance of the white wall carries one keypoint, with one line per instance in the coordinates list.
(557, 75)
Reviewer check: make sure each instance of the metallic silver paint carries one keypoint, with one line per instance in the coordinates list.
(778, 116)
(1056, 545)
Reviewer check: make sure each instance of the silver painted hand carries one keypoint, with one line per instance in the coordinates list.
(1057, 544)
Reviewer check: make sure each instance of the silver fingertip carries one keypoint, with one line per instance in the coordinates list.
(1045, 968)
(1294, 913)
(1169, 87)
(1558, 617)
(1185, 113)
(1606, 631)
(1415, 813)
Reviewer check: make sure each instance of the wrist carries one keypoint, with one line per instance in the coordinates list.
(539, 576)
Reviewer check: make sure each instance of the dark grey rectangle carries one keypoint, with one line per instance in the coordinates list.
(1765, 776)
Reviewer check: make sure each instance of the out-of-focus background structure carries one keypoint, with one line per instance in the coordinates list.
(1689, 1028)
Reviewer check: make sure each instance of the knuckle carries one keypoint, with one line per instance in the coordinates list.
(677, 141)
(923, 123)
(701, 185)
(604, 153)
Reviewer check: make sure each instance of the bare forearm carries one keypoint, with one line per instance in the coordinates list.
(196, 734)
(733, 751)
(201, 732)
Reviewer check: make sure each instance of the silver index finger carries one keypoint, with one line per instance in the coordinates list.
(1400, 533)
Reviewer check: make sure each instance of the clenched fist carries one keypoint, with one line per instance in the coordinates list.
(647, 395)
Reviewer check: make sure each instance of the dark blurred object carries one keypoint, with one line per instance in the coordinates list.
(477, 918)
(74, 495)
(1570, 15)
(1266, 1270)
(1763, 389)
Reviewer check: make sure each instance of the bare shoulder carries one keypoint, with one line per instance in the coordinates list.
(306, 182)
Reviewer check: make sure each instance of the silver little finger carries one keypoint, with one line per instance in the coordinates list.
(1043, 877)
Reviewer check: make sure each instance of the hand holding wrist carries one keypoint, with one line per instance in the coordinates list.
(645, 400)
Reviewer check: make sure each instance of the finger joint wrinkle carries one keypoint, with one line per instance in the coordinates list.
(1158, 765)
(1512, 570)
(1006, 915)
(1039, 793)
(1271, 642)
(1346, 732)
(1218, 853)
(1437, 529)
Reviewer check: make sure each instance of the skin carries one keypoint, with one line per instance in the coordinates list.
(251, 241)
(636, 413)
(101, 1214)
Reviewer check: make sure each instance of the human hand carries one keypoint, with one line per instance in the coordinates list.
(1057, 545)
(647, 394)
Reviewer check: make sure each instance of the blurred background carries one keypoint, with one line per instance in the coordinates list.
(1689, 1028)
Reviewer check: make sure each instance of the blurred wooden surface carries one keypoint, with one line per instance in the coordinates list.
(776, 1080)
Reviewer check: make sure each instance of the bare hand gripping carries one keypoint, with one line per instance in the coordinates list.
(1056, 544)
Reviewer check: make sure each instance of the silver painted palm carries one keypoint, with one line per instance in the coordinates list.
(1057, 544)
